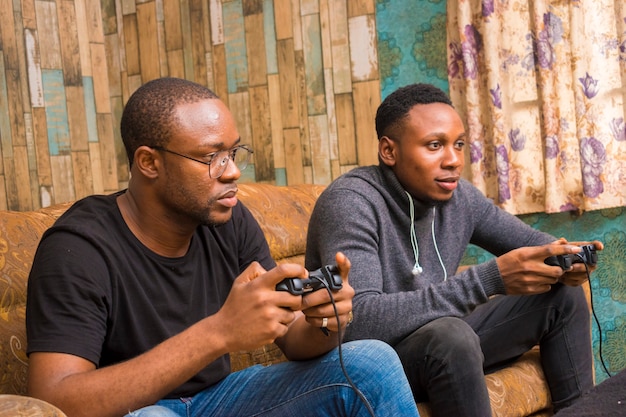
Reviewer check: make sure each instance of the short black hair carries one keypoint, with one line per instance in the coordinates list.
(148, 118)
(397, 105)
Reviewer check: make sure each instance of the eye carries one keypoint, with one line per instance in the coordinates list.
(210, 157)
(434, 145)
(459, 144)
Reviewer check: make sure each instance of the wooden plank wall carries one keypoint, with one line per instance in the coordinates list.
(300, 76)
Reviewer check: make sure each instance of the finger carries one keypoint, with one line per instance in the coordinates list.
(280, 272)
(250, 273)
(599, 245)
(344, 265)
(555, 250)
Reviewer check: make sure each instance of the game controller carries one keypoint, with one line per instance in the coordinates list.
(587, 256)
(327, 276)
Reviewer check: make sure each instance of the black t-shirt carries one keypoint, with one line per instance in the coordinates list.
(97, 292)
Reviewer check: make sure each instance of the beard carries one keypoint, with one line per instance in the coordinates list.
(187, 206)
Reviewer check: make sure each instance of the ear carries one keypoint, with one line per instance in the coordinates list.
(147, 162)
(387, 150)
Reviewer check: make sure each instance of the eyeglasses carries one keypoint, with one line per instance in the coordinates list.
(240, 155)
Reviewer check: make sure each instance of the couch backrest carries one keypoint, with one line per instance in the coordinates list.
(282, 212)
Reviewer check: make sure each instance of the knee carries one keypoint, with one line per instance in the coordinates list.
(372, 357)
(448, 340)
(152, 411)
(374, 351)
(375, 365)
(571, 301)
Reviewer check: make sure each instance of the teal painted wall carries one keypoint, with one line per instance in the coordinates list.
(412, 48)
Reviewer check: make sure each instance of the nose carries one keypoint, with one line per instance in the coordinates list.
(232, 171)
(453, 157)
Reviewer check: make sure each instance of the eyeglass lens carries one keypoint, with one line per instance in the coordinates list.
(239, 155)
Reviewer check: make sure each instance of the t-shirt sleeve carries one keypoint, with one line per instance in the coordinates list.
(67, 297)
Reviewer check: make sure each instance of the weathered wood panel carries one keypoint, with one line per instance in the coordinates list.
(366, 101)
(301, 77)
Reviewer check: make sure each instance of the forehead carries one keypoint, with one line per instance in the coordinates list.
(207, 122)
(432, 117)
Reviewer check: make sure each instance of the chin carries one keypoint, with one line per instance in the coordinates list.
(217, 219)
(440, 199)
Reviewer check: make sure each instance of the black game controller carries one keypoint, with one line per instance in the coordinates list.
(317, 279)
(587, 256)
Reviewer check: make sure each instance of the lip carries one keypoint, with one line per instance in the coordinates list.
(448, 183)
(229, 198)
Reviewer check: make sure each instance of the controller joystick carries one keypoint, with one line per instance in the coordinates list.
(320, 278)
(587, 255)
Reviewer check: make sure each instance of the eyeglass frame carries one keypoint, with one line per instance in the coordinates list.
(229, 157)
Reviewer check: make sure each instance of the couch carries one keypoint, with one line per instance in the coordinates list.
(283, 213)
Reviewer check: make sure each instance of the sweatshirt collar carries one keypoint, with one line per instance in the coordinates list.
(399, 194)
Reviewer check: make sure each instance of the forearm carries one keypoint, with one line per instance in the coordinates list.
(82, 390)
(304, 341)
(392, 316)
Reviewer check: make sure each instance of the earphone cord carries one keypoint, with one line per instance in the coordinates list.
(340, 352)
(417, 269)
(595, 317)
(432, 228)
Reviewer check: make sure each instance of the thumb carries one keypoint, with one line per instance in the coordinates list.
(282, 271)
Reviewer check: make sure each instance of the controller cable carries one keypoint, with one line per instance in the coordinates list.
(340, 352)
(595, 317)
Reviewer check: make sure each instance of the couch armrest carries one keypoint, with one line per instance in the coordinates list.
(21, 405)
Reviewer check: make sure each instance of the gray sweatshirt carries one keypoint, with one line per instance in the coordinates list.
(366, 215)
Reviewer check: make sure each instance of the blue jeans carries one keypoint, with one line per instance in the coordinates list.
(305, 388)
(446, 359)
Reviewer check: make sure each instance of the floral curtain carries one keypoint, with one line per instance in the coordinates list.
(542, 87)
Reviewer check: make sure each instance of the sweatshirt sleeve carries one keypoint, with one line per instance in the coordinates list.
(498, 231)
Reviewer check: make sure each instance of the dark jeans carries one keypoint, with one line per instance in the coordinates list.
(446, 359)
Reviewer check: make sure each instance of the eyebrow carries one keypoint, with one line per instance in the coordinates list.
(220, 145)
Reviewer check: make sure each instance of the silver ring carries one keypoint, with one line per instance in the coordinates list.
(324, 322)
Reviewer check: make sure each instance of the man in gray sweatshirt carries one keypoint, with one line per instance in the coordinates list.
(405, 225)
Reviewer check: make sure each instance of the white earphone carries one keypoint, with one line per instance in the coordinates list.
(417, 268)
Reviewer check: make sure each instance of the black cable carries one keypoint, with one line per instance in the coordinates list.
(340, 352)
(595, 316)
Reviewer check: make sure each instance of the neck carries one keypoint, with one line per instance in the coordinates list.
(152, 228)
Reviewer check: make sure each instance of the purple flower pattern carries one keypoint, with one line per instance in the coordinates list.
(502, 167)
(543, 51)
(568, 207)
(496, 96)
(518, 140)
(552, 147)
(488, 7)
(590, 86)
(470, 49)
(593, 157)
(618, 129)
(456, 56)
(476, 151)
(550, 35)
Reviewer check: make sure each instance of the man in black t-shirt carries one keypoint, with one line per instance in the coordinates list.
(136, 298)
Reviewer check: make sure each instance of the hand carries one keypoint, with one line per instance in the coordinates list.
(254, 313)
(317, 305)
(579, 272)
(524, 271)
